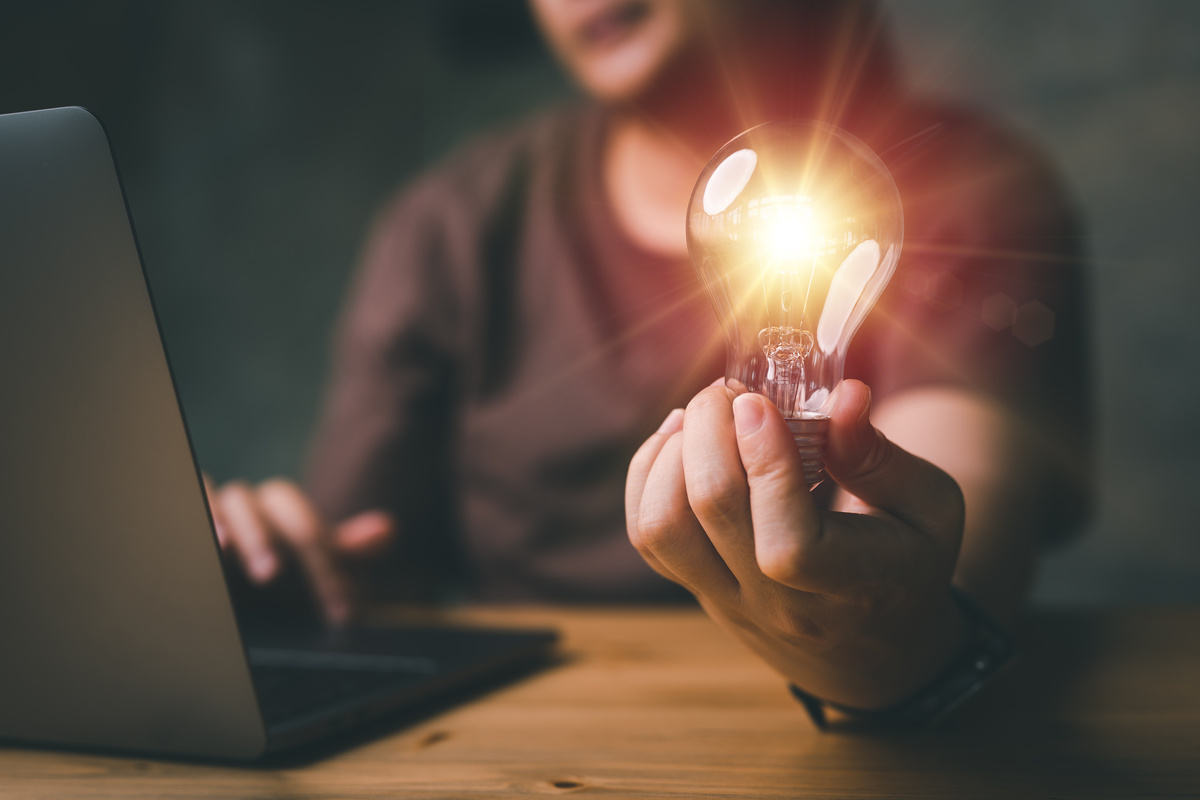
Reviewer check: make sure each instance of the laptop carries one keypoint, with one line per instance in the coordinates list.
(117, 628)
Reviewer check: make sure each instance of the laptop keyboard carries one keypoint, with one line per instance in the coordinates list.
(309, 678)
(288, 693)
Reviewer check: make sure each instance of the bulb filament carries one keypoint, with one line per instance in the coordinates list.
(784, 344)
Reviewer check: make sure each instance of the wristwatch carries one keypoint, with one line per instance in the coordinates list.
(986, 651)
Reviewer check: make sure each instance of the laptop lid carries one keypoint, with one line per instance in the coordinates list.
(117, 627)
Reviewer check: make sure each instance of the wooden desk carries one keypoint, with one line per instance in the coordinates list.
(661, 704)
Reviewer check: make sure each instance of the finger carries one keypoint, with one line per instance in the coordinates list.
(800, 547)
(643, 460)
(247, 531)
(299, 523)
(365, 535)
(716, 482)
(865, 463)
(635, 482)
(214, 510)
(670, 532)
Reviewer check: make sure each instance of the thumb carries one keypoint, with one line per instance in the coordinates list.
(869, 466)
(365, 535)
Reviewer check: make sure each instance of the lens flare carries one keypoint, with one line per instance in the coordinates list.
(794, 229)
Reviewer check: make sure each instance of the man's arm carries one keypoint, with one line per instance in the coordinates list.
(992, 455)
(853, 606)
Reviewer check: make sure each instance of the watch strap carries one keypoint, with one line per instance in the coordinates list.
(986, 650)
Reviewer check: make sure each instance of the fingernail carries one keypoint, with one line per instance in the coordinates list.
(865, 414)
(718, 382)
(747, 414)
(673, 423)
(263, 567)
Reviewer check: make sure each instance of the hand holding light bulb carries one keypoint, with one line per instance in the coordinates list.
(795, 230)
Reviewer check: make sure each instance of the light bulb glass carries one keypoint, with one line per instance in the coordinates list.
(795, 229)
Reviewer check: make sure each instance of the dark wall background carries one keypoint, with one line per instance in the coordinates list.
(256, 139)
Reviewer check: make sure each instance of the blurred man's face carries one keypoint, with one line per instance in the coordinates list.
(615, 48)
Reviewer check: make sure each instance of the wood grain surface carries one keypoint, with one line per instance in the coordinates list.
(660, 704)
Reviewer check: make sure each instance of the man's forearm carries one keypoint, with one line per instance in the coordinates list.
(988, 452)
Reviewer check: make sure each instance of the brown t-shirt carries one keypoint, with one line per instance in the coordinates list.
(506, 348)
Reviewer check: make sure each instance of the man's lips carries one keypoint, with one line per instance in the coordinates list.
(613, 24)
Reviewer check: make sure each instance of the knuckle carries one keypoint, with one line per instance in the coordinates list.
(718, 497)
(234, 511)
(871, 463)
(784, 563)
(796, 625)
(707, 399)
(301, 533)
(278, 490)
(654, 529)
(878, 459)
(637, 464)
(639, 540)
(234, 491)
(631, 519)
(289, 512)
(774, 475)
(872, 602)
(646, 455)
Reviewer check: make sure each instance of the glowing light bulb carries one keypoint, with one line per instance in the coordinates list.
(795, 229)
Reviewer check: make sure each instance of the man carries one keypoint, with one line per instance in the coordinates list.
(526, 315)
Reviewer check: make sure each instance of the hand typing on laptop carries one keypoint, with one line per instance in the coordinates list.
(267, 528)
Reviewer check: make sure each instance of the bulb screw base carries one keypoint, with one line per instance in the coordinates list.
(809, 433)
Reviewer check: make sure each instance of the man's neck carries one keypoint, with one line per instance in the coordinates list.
(648, 178)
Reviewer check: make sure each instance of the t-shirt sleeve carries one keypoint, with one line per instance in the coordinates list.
(991, 293)
(384, 434)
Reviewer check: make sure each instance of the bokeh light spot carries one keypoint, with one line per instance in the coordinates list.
(1033, 324)
(947, 290)
(917, 282)
(998, 310)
